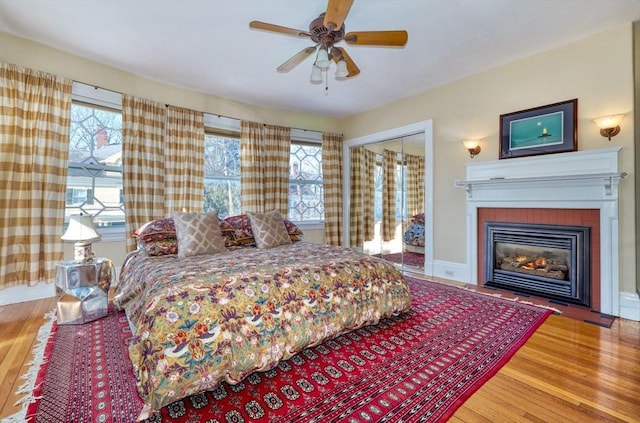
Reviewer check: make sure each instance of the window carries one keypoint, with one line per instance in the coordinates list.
(222, 175)
(306, 199)
(222, 179)
(94, 179)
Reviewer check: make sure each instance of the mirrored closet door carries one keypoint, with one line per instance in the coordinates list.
(387, 187)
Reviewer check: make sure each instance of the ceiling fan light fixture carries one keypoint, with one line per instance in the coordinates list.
(316, 75)
(341, 70)
(322, 60)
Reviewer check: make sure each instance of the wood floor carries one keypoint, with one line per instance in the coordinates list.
(569, 371)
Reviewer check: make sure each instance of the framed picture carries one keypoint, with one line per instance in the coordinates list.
(541, 130)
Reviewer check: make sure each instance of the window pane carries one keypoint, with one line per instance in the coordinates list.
(94, 181)
(306, 198)
(222, 175)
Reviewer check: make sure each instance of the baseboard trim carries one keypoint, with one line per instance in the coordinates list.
(630, 306)
(450, 270)
(21, 294)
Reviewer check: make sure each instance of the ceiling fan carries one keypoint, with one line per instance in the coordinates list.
(327, 30)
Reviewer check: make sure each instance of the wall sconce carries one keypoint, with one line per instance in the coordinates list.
(473, 146)
(609, 125)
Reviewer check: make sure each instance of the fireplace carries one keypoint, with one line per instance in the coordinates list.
(548, 260)
(559, 189)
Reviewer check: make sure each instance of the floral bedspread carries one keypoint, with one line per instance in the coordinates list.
(204, 319)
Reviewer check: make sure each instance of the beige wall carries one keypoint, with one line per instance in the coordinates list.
(597, 71)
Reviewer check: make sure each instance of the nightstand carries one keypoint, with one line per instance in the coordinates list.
(82, 290)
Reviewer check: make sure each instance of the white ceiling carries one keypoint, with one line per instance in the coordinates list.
(207, 45)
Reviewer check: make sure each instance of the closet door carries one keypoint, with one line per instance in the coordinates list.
(386, 192)
(412, 246)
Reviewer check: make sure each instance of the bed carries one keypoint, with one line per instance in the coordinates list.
(202, 319)
(413, 236)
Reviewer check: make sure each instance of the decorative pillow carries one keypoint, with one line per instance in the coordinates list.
(295, 233)
(161, 247)
(268, 229)
(418, 218)
(243, 234)
(229, 234)
(198, 233)
(155, 230)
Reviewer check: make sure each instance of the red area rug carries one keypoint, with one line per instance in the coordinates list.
(408, 258)
(417, 367)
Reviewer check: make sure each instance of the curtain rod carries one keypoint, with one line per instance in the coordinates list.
(97, 87)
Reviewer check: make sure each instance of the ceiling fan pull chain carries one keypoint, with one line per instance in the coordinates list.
(326, 82)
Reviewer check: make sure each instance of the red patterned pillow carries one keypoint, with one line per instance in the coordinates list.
(418, 218)
(161, 247)
(295, 233)
(243, 234)
(229, 234)
(156, 230)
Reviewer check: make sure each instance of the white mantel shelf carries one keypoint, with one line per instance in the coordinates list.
(586, 179)
(608, 180)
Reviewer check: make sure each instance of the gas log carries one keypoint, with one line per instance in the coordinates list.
(534, 265)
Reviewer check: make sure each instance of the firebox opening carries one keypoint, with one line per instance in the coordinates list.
(547, 262)
(551, 261)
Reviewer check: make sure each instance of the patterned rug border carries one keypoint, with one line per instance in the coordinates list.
(31, 389)
(35, 376)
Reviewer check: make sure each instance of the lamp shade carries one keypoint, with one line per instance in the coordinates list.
(80, 229)
(341, 69)
(322, 60)
(471, 144)
(607, 122)
(316, 75)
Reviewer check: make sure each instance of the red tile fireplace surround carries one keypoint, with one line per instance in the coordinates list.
(576, 217)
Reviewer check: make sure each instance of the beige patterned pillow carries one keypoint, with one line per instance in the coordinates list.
(268, 229)
(198, 233)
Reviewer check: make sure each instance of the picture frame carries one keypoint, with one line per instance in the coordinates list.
(541, 130)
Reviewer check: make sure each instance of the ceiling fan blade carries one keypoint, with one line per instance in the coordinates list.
(277, 28)
(352, 69)
(296, 59)
(377, 38)
(336, 13)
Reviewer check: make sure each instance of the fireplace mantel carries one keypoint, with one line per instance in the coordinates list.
(608, 180)
(576, 180)
(572, 172)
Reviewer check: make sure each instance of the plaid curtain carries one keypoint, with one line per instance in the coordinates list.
(332, 187)
(251, 167)
(184, 160)
(415, 185)
(368, 194)
(35, 110)
(356, 201)
(264, 167)
(389, 169)
(142, 162)
(275, 175)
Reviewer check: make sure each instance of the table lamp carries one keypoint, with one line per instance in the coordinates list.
(82, 231)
